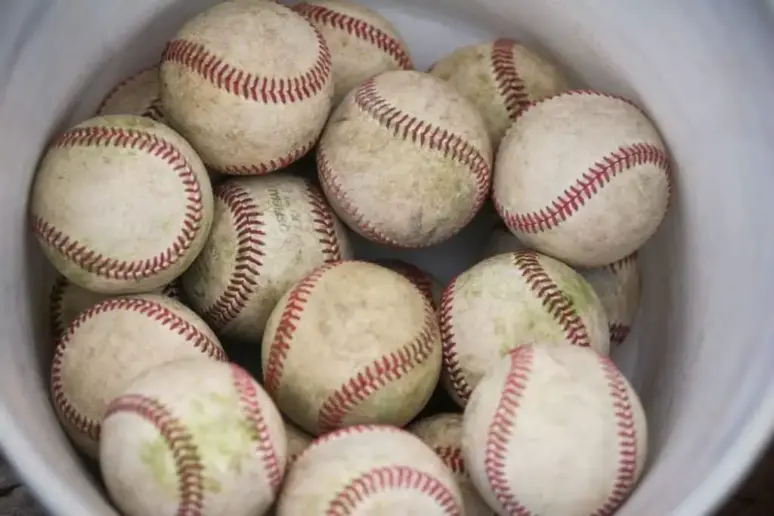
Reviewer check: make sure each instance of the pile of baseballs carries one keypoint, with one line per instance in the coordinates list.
(222, 347)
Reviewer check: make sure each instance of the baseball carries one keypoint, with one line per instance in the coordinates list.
(427, 284)
(363, 44)
(617, 285)
(584, 177)
(370, 469)
(267, 234)
(193, 437)
(443, 433)
(554, 430)
(67, 300)
(298, 441)
(249, 84)
(121, 204)
(501, 241)
(111, 343)
(137, 94)
(500, 78)
(510, 300)
(408, 141)
(352, 343)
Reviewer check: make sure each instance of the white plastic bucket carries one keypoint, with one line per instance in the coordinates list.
(702, 351)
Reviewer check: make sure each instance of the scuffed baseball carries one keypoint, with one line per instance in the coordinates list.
(138, 94)
(510, 300)
(363, 43)
(111, 343)
(501, 241)
(369, 469)
(352, 343)
(268, 233)
(443, 433)
(500, 78)
(584, 177)
(298, 441)
(193, 437)
(249, 84)
(67, 300)
(617, 285)
(121, 204)
(424, 281)
(554, 430)
(405, 160)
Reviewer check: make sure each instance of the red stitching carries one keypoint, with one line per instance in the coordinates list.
(268, 90)
(500, 430)
(155, 111)
(379, 373)
(265, 167)
(452, 457)
(334, 190)
(407, 127)
(575, 93)
(247, 220)
(627, 439)
(112, 268)
(55, 302)
(350, 430)
(425, 134)
(450, 358)
(509, 83)
(123, 84)
(415, 275)
(358, 28)
(618, 333)
(188, 463)
(145, 307)
(324, 224)
(377, 480)
(248, 399)
(627, 261)
(556, 303)
(586, 187)
(280, 345)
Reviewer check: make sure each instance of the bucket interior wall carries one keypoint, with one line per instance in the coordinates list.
(700, 354)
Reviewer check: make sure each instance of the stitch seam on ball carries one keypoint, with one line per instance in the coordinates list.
(410, 128)
(324, 224)
(627, 439)
(153, 110)
(561, 308)
(248, 400)
(335, 191)
(268, 90)
(247, 220)
(378, 374)
(113, 268)
(385, 478)
(188, 463)
(358, 28)
(496, 453)
(286, 327)
(509, 82)
(451, 362)
(586, 187)
(149, 308)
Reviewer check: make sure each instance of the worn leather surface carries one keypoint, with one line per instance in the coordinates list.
(754, 498)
